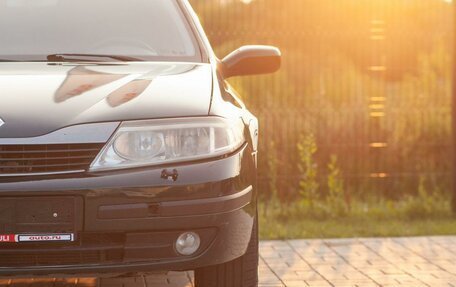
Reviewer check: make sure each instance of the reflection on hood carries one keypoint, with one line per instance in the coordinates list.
(127, 92)
(82, 79)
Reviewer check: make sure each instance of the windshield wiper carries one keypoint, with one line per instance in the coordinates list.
(87, 58)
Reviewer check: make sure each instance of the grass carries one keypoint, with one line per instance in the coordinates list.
(354, 227)
(408, 217)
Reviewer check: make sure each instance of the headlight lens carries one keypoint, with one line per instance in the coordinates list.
(139, 146)
(156, 142)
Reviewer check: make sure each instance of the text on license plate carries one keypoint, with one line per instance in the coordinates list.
(11, 238)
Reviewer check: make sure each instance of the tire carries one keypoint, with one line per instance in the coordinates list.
(242, 272)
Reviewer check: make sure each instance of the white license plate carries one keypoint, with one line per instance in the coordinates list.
(18, 238)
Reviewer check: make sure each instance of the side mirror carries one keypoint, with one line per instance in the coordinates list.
(252, 60)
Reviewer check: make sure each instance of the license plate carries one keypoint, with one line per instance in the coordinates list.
(40, 215)
(19, 238)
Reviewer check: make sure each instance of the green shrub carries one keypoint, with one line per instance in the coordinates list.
(308, 169)
(336, 198)
(425, 204)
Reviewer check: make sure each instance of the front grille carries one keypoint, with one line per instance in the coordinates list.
(50, 158)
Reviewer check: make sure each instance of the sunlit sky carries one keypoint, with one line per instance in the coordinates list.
(250, 1)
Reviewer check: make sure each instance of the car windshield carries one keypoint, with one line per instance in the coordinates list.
(95, 30)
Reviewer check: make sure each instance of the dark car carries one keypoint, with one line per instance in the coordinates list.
(122, 147)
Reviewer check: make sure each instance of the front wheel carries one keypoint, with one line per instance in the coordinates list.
(242, 272)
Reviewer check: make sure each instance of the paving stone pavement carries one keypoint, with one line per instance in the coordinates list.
(415, 262)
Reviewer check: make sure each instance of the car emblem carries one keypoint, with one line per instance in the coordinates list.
(1, 122)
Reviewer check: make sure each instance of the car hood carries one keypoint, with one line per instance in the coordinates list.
(39, 98)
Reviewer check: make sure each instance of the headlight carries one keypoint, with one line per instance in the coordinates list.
(155, 142)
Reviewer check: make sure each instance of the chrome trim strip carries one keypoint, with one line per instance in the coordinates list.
(39, 173)
(85, 133)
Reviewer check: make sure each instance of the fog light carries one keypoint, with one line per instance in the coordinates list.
(188, 243)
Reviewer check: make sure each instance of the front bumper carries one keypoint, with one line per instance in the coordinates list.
(131, 219)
